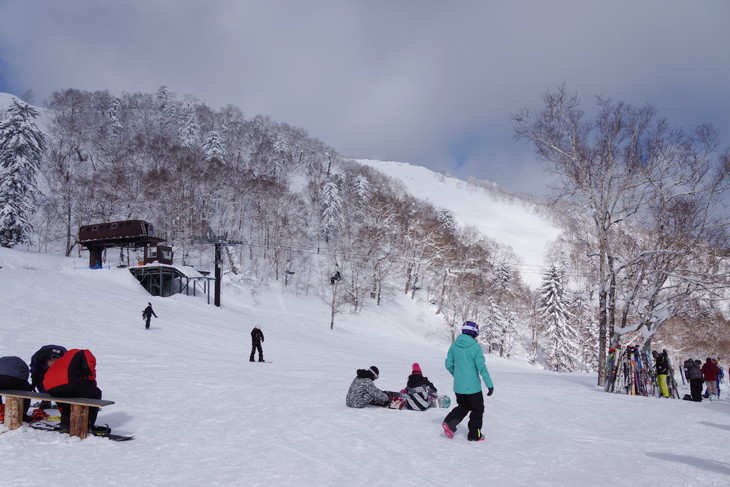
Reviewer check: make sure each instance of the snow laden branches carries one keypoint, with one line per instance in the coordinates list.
(553, 306)
(653, 195)
(21, 148)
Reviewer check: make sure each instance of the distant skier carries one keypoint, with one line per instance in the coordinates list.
(364, 392)
(465, 361)
(147, 315)
(257, 338)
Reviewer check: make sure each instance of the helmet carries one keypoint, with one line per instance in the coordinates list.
(470, 328)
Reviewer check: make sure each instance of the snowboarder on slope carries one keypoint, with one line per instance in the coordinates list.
(364, 392)
(257, 338)
(465, 361)
(147, 315)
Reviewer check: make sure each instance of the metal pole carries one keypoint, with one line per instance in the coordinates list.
(217, 300)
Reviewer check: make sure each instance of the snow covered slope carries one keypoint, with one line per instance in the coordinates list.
(512, 224)
(203, 415)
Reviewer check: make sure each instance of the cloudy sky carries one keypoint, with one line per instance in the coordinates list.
(428, 82)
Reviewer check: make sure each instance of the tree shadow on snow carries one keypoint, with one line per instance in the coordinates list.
(711, 465)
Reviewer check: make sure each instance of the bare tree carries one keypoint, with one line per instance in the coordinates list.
(611, 167)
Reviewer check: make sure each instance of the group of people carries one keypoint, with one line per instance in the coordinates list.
(710, 374)
(58, 372)
(464, 361)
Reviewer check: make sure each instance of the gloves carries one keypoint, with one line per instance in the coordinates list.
(490, 391)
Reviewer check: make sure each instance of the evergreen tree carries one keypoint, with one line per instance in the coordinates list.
(560, 333)
(213, 147)
(331, 209)
(21, 148)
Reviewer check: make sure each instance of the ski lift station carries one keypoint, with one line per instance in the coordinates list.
(155, 271)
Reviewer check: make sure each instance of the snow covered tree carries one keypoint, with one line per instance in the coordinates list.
(21, 148)
(213, 147)
(331, 209)
(190, 133)
(560, 333)
(447, 219)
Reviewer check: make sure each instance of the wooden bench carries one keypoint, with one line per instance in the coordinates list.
(79, 409)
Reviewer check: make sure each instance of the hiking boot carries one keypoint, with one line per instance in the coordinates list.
(447, 430)
(61, 428)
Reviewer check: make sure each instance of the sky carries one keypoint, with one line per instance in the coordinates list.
(423, 81)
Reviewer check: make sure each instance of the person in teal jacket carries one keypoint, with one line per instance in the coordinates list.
(465, 361)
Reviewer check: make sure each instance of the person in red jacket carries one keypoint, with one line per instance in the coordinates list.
(709, 371)
(73, 375)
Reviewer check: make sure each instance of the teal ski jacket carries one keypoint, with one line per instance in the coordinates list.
(465, 361)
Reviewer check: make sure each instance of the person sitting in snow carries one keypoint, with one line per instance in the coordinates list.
(14, 376)
(74, 375)
(419, 392)
(40, 362)
(364, 392)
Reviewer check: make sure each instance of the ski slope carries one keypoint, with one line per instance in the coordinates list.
(514, 224)
(205, 416)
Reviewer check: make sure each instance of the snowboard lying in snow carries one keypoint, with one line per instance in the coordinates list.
(43, 426)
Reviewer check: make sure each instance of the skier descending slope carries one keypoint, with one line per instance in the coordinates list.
(465, 361)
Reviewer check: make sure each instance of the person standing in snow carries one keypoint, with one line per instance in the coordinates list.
(364, 392)
(257, 338)
(662, 369)
(709, 371)
(694, 375)
(465, 361)
(147, 315)
(14, 376)
(419, 391)
(720, 375)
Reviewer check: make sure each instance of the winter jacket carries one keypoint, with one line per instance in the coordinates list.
(363, 391)
(75, 366)
(148, 313)
(692, 370)
(709, 371)
(421, 383)
(465, 361)
(14, 367)
(257, 336)
(419, 392)
(662, 364)
(39, 366)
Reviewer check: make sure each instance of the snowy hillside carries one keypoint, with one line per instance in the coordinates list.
(511, 224)
(203, 415)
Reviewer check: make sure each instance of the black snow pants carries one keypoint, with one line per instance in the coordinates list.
(76, 389)
(465, 404)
